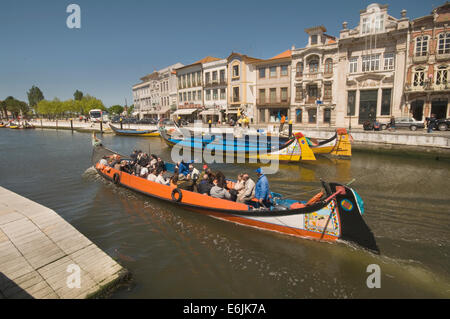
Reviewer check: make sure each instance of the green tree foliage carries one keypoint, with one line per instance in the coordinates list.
(16, 107)
(69, 108)
(78, 95)
(34, 96)
(130, 109)
(116, 109)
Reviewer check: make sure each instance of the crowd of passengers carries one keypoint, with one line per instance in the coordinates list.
(187, 177)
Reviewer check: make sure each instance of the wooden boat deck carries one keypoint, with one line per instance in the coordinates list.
(36, 248)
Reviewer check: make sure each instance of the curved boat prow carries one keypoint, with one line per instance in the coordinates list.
(343, 147)
(353, 227)
(306, 153)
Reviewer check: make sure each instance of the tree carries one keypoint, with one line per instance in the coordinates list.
(78, 95)
(34, 96)
(16, 107)
(116, 109)
(130, 109)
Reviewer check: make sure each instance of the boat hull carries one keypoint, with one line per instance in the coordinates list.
(133, 132)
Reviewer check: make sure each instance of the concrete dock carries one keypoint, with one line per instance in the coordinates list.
(43, 256)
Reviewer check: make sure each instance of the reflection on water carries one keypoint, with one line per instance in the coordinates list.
(173, 253)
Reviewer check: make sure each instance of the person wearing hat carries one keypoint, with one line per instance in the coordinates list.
(262, 189)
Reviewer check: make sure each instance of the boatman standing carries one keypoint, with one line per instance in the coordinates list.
(262, 192)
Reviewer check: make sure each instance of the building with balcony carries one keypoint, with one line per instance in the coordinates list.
(190, 89)
(426, 89)
(371, 67)
(215, 90)
(314, 85)
(273, 88)
(241, 78)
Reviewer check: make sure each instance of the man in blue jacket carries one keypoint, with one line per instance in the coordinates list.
(262, 191)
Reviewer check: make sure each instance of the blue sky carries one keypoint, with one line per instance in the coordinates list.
(120, 41)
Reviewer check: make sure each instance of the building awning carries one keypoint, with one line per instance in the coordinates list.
(161, 111)
(184, 111)
(232, 111)
(210, 112)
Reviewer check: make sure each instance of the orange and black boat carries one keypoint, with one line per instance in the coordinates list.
(335, 214)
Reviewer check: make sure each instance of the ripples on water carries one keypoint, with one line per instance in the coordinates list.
(174, 253)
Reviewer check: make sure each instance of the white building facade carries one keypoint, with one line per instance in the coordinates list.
(214, 91)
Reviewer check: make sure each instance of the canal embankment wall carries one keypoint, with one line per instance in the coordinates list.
(42, 256)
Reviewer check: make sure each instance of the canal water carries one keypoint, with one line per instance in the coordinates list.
(173, 253)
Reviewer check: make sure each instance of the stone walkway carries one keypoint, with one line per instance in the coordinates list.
(41, 254)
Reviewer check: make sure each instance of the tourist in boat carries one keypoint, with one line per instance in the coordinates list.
(205, 185)
(282, 121)
(144, 172)
(152, 176)
(153, 160)
(185, 182)
(160, 179)
(219, 190)
(193, 173)
(248, 192)
(262, 189)
(160, 165)
(183, 167)
(239, 186)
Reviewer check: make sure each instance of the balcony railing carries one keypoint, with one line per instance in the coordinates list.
(427, 87)
(270, 102)
(312, 76)
(442, 56)
(420, 58)
(221, 82)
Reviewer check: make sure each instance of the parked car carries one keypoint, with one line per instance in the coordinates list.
(443, 124)
(405, 122)
(115, 119)
(166, 122)
(148, 121)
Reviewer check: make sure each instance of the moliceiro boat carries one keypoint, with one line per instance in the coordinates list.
(134, 132)
(262, 147)
(338, 145)
(333, 215)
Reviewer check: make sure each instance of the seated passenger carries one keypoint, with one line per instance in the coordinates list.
(185, 182)
(160, 179)
(262, 192)
(193, 173)
(153, 160)
(104, 161)
(160, 164)
(184, 167)
(219, 190)
(248, 192)
(144, 172)
(204, 186)
(174, 181)
(152, 176)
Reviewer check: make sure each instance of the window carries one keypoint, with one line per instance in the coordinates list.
(353, 63)
(313, 66)
(314, 39)
(215, 94)
(207, 77)
(199, 94)
(262, 115)
(327, 94)
(441, 75)
(388, 61)
(298, 115)
(214, 76)
(222, 76)
(422, 46)
(371, 62)
(351, 102)
(273, 95)
(194, 82)
(189, 96)
(329, 66)
(180, 97)
(444, 43)
(262, 96)
(386, 102)
(379, 23)
(262, 73)
(222, 94)
(236, 96)
(313, 92)
(312, 114)
(273, 71)
(299, 69)
(189, 80)
(284, 70)
(419, 77)
(365, 26)
(208, 95)
(284, 94)
(298, 93)
(184, 97)
(193, 96)
(235, 71)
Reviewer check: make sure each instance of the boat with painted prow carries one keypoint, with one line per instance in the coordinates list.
(134, 132)
(260, 147)
(335, 214)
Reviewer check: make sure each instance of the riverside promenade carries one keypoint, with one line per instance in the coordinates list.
(44, 257)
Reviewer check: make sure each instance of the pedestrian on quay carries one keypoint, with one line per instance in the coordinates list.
(431, 122)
